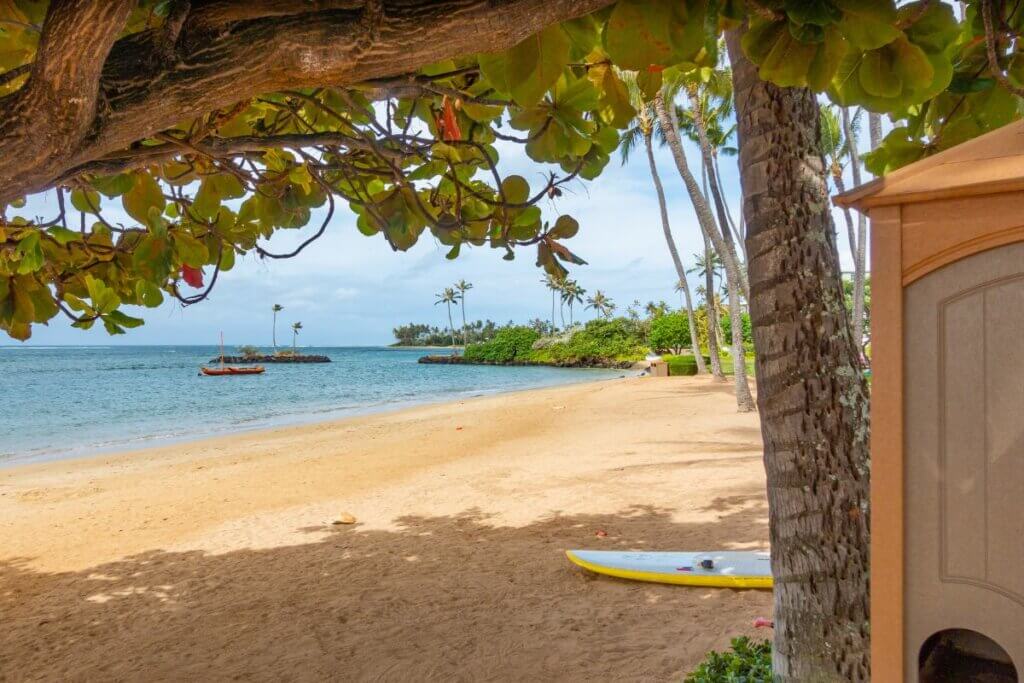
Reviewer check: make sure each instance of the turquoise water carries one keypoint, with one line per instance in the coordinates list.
(61, 402)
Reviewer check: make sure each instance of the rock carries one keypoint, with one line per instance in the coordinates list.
(344, 518)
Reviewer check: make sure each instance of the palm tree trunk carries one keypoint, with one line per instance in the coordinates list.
(737, 230)
(875, 129)
(734, 275)
(812, 396)
(275, 331)
(451, 325)
(707, 156)
(465, 335)
(552, 311)
(680, 270)
(712, 314)
(670, 129)
(859, 248)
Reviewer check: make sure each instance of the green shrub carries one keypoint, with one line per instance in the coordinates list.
(670, 333)
(249, 351)
(746, 662)
(685, 365)
(509, 344)
(617, 339)
(748, 334)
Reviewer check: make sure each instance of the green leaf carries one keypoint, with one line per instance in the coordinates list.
(565, 227)
(144, 195)
(492, 66)
(189, 250)
(86, 201)
(63, 235)
(30, 253)
(868, 24)
(104, 298)
(645, 33)
(122, 320)
(149, 294)
(614, 105)
(113, 185)
(516, 189)
(533, 66)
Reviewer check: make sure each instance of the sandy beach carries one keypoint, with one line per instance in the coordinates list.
(220, 559)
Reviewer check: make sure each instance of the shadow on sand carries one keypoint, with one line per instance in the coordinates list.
(442, 598)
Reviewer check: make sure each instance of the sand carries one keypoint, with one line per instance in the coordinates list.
(218, 559)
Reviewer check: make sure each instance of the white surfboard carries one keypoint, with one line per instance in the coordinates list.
(724, 569)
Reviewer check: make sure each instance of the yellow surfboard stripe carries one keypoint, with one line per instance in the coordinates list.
(715, 581)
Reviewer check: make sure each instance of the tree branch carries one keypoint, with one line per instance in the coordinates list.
(53, 111)
(249, 57)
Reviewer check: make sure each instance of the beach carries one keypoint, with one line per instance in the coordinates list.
(221, 558)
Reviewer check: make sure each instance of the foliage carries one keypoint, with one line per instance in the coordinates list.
(848, 298)
(670, 333)
(616, 339)
(748, 333)
(685, 365)
(417, 152)
(509, 344)
(250, 351)
(418, 334)
(745, 662)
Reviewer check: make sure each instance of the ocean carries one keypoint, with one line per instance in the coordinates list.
(69, 401)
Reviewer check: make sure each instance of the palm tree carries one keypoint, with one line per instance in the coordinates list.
(295, 333)
(276, 308)
(813, 430)
(708, 265)
(572, 293)
(448, 297)
(555, 284)
(644, 126)
(734, 275)
(601, 303)
(463, 287)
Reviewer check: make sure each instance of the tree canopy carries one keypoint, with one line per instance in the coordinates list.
(214, 124)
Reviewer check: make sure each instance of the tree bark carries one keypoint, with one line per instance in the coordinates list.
(708, 160)
(711, 311)
(859, 247)
(875, 129)
(88, 97)
(735, 279)
(812, 396)
(680, 270)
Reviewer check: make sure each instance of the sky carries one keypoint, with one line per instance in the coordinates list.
(351, 290)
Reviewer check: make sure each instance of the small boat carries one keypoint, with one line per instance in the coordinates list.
(223, 370)
(231, 370)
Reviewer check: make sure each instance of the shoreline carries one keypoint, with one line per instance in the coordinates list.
(140, 445)
(224, 558)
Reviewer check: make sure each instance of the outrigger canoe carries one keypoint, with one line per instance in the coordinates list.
(230, 370)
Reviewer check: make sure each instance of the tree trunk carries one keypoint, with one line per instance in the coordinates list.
(812, 395)
(465, 334)
(859, 248)
(733, 273)
(680, 270)
(451, 326)
(711, 311)
(875, 129)
(670, 129)
(737, 230)
(708, 156)
(274, 336)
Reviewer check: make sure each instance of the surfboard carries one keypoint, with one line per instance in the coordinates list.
(725, 569)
